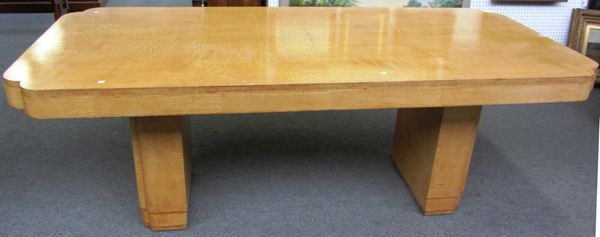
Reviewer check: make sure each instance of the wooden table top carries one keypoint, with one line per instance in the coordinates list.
(173, 61)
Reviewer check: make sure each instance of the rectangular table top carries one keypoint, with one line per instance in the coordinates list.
(174, 61)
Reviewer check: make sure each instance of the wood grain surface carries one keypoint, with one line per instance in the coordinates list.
(162, 160)
(178, 61)
(432, 152)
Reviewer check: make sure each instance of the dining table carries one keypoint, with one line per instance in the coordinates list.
(158, 66)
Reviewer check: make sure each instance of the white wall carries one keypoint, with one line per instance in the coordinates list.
(550, 20)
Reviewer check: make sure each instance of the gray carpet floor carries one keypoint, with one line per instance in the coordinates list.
(294, 174)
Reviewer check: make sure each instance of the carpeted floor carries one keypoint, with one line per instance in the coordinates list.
(294, 174)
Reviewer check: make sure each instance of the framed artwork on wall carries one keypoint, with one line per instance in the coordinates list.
(372, 3)
(584, 36)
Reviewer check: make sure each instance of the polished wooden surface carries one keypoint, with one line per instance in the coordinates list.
(162, 159)
(432, 152)
(122, 62)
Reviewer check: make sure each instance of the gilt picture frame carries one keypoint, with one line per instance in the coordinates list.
(584, 36)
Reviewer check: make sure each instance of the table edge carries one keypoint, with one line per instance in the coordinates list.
(87, 103)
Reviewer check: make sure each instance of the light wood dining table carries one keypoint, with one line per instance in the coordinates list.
(158, 66)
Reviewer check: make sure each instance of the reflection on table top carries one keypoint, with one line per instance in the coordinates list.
(112, 48)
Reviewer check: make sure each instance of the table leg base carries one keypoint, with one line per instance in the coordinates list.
(432, 153)
(440, 206)
(164, 221)
(161, 152)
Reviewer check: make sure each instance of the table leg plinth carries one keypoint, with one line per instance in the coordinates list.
(432, 152)
(161, 152)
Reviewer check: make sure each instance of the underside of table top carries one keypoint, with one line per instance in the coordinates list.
(109, 62)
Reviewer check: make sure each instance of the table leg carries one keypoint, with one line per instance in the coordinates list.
(57, 9)
(161, 154)
(432, 152)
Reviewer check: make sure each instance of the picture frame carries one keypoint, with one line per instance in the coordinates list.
(585, 26)
(375, 3)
